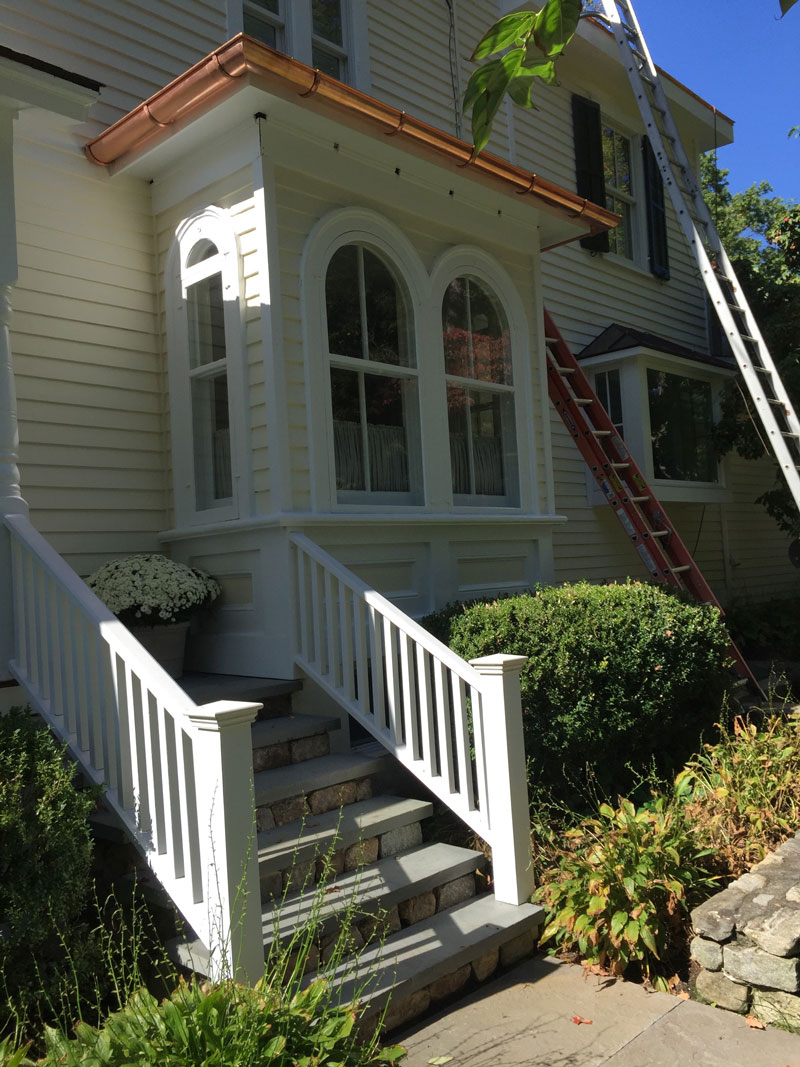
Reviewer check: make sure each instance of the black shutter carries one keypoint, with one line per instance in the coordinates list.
(658, 254)
(589, 161)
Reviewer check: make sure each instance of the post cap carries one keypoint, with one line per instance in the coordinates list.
(221, 714)
(499, 664)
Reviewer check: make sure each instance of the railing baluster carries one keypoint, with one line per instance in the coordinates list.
(21, 653)
(109, 712)
(36, 624)
(66, 688)
(317, 657)
(81, 675)
(426, 710)
(409, 692)
(142, 768)
(331, 644)
(362, 655)
(444, 732)
(192, 824)
(479, 744)
(156, 771)
(377, 661)
(94, 691)
(465, 784)
(126, 735)
(346, 627)
(172, 790)
(392, 681)
(50, 640)
(302, 601)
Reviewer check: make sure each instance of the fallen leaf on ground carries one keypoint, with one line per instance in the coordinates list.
(754, 1023)
(333, 889)
(683, 995)
(437, 1060)
(578, 1019)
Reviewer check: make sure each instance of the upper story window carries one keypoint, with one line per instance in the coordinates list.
(618, 170)
(480, 393)
(619, 188)
(328, 34)
(263, 19)
(205, 356)
(374, 379)
(328, 38)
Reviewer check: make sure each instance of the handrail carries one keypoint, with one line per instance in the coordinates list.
(456, 726)
(178, 776)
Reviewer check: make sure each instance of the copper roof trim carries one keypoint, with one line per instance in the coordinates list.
(245, 61)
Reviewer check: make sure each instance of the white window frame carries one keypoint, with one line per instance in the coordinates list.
(297, 26)
(633, 365)
(638, 223)
(213, 225)
(426, 292)
(525, 495)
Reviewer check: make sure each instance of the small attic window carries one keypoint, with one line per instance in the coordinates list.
(202, 250)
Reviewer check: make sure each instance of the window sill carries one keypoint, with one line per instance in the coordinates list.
(626, 264)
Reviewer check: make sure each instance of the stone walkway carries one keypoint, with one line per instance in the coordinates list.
(526, 1019)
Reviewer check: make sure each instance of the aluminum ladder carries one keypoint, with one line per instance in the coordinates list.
(625, 488)
(770, 398)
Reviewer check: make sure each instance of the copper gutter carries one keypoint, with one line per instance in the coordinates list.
(243, 61)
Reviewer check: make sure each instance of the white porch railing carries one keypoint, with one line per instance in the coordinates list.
(456, 726)
(178, 776)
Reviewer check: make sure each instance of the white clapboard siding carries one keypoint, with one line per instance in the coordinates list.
(132, 47)
(86, 352)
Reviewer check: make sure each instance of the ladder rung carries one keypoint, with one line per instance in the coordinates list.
(639, 499)
(602, 433)
(790, 435)
(683, 567)
(659, 533)
(761, 370)
(582, 401)
(565, 370)
(620, 466)
(748, 337)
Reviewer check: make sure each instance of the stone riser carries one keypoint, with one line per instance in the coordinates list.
(287, 753)
(316, 802)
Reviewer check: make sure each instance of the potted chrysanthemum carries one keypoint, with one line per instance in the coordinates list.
(156, 598)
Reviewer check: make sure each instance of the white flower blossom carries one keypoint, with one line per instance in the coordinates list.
(152, 589)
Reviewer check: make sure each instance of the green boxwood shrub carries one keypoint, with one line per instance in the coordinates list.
(620, 678)
(45, 861)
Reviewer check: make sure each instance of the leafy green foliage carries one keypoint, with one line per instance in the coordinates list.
(743, 792)
(45, 859)
(619, 891)
(760, 234)
(223, 1024)
(531, 41)
(767, 630)
(617, 676)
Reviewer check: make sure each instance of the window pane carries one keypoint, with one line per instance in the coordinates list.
(385, 401)
(680, 426)
(201, 251)
(475, 333)
(387, 325)
(327, 62)
(206, 321)
(342, 303)
(607, 387)
(481, 428)
(212, 441)
(487, 443)
(459, 440)
(620, 238)
(348, 442)
(326, 18)
(263, 31)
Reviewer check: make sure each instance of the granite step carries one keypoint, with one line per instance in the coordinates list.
(424, 878)
(267, 732)
(431, 960)
(316, 774)
(317, 835)
(274, 693)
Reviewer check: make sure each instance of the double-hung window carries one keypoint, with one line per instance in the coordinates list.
(480, 394)
(316, 31)
(618, 171)
(373, 380)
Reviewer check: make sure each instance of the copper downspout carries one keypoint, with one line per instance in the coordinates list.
(245, 61)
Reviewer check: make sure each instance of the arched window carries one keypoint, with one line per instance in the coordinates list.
(480, 394)
(373, 378)
(204, 339)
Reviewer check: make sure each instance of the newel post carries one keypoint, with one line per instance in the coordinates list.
(507, 784)
(223, 767)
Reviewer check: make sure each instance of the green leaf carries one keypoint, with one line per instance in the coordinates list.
(786, 4)
(503, 33)
(618, 920)
(632, 932)
(503, 71)
(556, 25)
(646, 934)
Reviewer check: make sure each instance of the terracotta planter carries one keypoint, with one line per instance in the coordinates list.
(166, 644)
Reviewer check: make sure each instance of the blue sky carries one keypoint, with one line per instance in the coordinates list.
(740, 57)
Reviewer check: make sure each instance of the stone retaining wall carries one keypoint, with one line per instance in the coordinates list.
(747, 941)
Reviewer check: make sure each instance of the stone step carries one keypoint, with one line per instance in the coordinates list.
(307, 839)
(291, 739)
(274, 693)
(432, 960)
(421, 881)
(316, 774)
